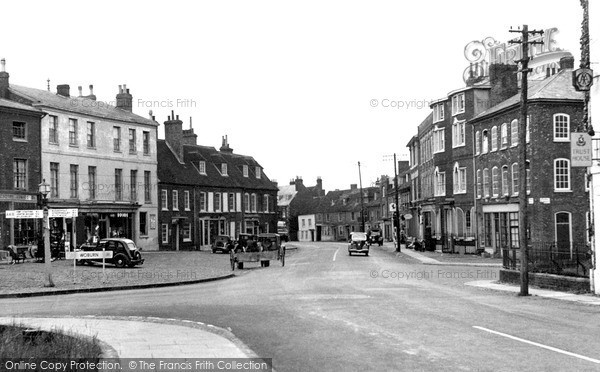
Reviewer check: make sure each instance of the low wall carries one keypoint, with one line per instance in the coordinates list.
(550, 281)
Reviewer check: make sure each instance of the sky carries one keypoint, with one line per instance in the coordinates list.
(292, 84)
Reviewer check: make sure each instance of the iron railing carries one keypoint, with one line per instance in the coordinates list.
(546, 257)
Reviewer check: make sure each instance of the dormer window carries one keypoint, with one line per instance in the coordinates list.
(202, 167)
(257, 172)
(223, 169)
(245, 170)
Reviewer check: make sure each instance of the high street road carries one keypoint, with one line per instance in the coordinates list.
(327, 311)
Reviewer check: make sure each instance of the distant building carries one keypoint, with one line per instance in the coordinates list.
(296, 199)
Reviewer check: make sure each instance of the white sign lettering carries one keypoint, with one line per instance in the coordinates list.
(63, 213)
(26, 213)
(90, 255)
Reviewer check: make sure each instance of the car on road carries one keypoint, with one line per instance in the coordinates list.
(376, 237)
(222, 243)
(359, 243)
(125, 252)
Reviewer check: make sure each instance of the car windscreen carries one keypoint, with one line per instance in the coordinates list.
(131, 246)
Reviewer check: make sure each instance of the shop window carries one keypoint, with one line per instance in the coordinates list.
(143, 223)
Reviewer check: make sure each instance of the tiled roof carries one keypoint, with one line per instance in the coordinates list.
(557, 87)
(285, 195)
(15, 105)
(80, 105)
(171, 170)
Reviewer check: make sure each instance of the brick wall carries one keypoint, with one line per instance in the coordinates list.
(549, 281)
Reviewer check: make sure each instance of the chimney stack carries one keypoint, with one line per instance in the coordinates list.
(353, 186)
(124, 99)
(189, 138)
(63, 90)
(4, 84)
(91, 95)
(174, 135)
(225, 146)
(503, 79)
(567, 62)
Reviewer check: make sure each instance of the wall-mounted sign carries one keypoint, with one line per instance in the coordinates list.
(545, 200)
(63, 213)
(581, 150)
(393, 207)
(583, 79)
(26, 213)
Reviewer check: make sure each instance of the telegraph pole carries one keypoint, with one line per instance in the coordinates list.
(397, 212)
(362, 205)
(523, 220)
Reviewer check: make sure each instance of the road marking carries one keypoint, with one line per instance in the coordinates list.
(540, 345)
(335, 254)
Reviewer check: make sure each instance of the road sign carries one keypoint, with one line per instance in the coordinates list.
(25, 213)
(63, 213)
(408, 216)
(393, 207)
(88, 255)
(583, 78)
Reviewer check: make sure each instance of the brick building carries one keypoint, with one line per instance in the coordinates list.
(205, 192)
(20, 162)
(296, 199)
(557, 192)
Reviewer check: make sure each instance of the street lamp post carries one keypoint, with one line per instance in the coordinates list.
(44, 190)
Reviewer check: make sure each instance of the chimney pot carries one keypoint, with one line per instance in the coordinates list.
(3, 63)
(80, 88)
(120, 89)
(177, 117)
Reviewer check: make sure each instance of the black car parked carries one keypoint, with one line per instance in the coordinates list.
(125, 252)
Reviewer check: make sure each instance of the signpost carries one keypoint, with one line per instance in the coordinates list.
(89, 255)
(581, 150)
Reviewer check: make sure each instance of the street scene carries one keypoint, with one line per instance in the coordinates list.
(270, 186)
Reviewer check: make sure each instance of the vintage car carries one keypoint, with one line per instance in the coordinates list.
(262, 248)
(125, 252)
(222, 243)
(376, 237)
(358, 243)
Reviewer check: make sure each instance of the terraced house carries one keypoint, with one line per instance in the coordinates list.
(97, 158)
(205, 192)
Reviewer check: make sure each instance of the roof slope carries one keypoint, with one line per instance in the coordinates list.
(80, 105)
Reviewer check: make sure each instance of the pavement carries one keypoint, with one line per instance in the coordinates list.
(146, 337)
(494, 285)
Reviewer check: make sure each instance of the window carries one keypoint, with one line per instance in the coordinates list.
(514, 133)
(117, 139)
(132, 142)
(505, 180)
(247, 203)
(186, 200)
(468, 224)
(245, 170)
(561, 128)
(458, 133)
(460, 179)
(479, 186)
(253, 202)
(19, 130)
(187, 232)
(164, 203)
(266, 203)
(515, 179)
(217, 201)
(20, 174)
(73, 132)
(477, 143)
(484, 142)
(146, 144)
(118, 184)
(504, 135)
(74, 171)
(92, 182)
(257, 172)
(202, 197)
(562, 176)
(223, 169)
(495, 182)
(438, 140)
(143, 223)
(91, 134)
(440, 183)
(147, 194)
(458, 104)
(164, 233)
(52, 129)
(54, 172)
(494, 138)
(175, 197)
(133, 185)
(486, 183)
(438, 112)
(563, 231)
(232, 207)
(202, 167)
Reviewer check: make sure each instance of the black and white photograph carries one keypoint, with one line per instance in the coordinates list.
(300, 186)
